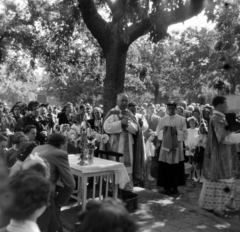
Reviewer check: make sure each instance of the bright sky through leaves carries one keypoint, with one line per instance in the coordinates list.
(196, 22)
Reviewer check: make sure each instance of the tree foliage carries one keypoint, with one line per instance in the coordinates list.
(228, 44)
(82, 46)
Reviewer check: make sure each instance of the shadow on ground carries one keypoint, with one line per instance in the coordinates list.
(157, 212)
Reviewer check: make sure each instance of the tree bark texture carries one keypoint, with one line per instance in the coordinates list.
(116, 56)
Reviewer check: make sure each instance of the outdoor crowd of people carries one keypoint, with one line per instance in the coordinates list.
(158, 142)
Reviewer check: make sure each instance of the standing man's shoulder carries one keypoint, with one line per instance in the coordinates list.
(179, 118)
(218, 120)
(113, 111)
(57, 152)
(164, 118)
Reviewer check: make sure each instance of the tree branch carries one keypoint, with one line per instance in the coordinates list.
(184, 12)
(94, 22)
(117, 8)
(137, 30)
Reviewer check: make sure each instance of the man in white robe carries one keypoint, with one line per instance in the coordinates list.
(124, 137)
(121, 127)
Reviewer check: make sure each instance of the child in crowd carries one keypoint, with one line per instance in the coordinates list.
(189, 142)
(150, 152)
(200, 145)
(192, 134)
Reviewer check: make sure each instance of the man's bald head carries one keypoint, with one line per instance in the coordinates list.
(122, 101)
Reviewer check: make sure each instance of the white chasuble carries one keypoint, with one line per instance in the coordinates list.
(117, 135)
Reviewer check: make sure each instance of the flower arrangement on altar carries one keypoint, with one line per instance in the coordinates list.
(84, 138)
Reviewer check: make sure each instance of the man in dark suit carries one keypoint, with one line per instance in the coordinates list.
(35, 119)
(59, 167)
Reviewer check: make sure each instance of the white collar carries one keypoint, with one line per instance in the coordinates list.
(23, 226)
(118, 109)
(218, 112)
(172, 116)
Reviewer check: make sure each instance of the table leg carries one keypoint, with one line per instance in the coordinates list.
(115, 188)
(84, 192)
(79, 190)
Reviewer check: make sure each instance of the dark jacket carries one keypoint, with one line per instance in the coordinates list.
(62, 119)
(7, 122)
(59, 168)
(10, 157)
(19, 125)
(97, 129)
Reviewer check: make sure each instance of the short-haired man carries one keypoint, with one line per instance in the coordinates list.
(59, 167)
(31, 132)
(171, 172)
(81, 115)
(125, 137)
(35, 119)
(221, 163)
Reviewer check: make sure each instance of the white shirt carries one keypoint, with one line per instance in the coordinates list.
(23, 226)
(174, 121)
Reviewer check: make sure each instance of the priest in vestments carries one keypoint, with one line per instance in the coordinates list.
(125, 137)
(221, 164)
(171, 171)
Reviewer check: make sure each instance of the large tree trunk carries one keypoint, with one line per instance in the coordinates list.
(116, 56)
(116, 51)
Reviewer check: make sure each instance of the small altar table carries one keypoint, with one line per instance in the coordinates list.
(102, 169)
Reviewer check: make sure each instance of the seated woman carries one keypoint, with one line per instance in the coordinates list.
(23, 152)
(11, 155)
(23, 198)
(109, 216)
(96, 123)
